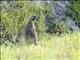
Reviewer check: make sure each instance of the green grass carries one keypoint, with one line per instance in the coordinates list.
(64, 47)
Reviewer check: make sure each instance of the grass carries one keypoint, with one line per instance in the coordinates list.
(64, 47)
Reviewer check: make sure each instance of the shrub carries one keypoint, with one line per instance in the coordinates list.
(74, 11)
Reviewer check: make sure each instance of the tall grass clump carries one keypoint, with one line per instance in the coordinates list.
(15, 16)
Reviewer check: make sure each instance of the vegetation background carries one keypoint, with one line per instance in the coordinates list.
(14, 16)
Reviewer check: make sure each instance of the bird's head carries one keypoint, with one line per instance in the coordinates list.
(34, 18)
